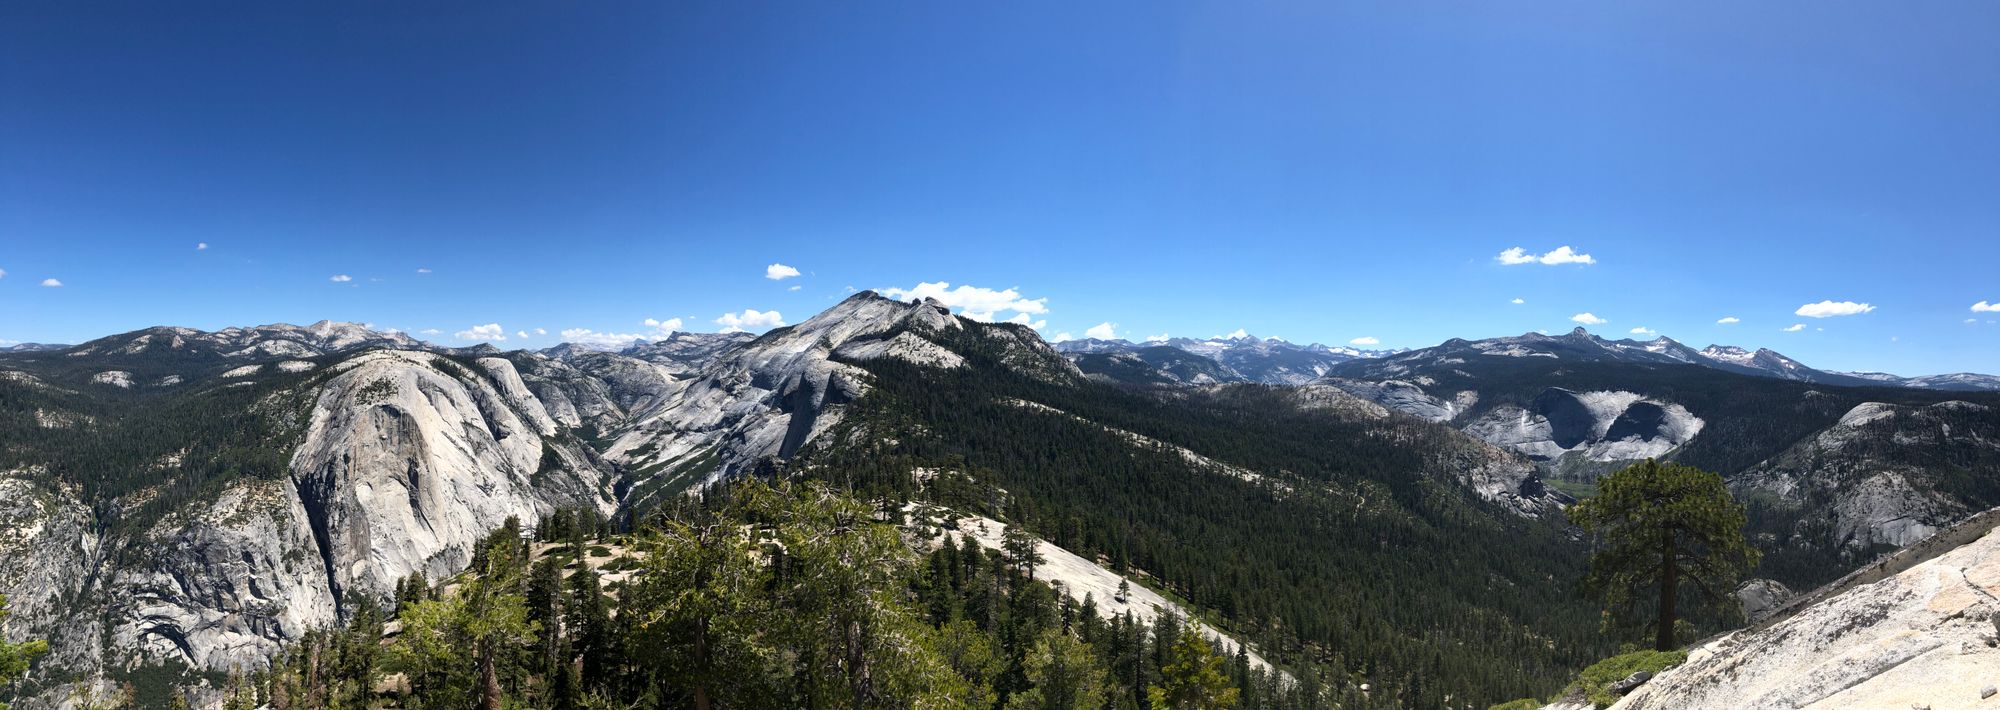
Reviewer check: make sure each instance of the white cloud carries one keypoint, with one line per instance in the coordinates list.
(1238, 333)
(423, 271)
(1828, 309)
(748, 319)
(1643, 330)
(1728, 320)
(340, 278)
(3, 273)
(1561, 255)
(1161, 338)
(1365, 340)
(795, 288)
(777, 272)
(541, 331)
(1984, 307)
(981, 304)
(430, 331)
(1063, 336)
(1518, 301)
(1102, 331)
(521, 334)
(619, 341)
(51, 283)
(1794, 328)
(1972, 320)
(1588, 319)
(488, 332)
(200, 246)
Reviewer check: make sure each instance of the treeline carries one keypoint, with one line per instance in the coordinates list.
(761, 596)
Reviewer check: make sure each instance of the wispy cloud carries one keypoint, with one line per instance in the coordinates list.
(51, 283)
(485, 333)
(421, 270)
(1561, 255)
(1588, 319)
(1643, 330)
(778, 272)
(1365, 340)
(977, 303)
(1161, 338)
(1829, 309)
(749, 319)
(1728, 320)
(618, 341)
(340, 278)
(1794, 328)
(1519, 301)
(201, 246)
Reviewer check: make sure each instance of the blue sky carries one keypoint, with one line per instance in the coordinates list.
(1314, 171)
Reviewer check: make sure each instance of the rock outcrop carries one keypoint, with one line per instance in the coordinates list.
(1916, 629)
(1872, 478)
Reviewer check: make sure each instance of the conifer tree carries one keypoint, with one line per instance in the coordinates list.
(1660, 526)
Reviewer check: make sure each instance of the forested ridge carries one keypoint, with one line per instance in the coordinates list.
(1353, 556)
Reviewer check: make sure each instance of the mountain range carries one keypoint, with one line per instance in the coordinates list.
(177, 504)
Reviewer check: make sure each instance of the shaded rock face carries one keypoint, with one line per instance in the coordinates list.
(1920, 637)
(1761, 597)
(1604, 427)
(1873, 478)
(232, 584)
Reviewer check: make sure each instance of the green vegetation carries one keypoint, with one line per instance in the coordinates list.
(764, 596)
(1522, 704)
(1358, 561)
(1660, 527)
(14, 657)
(1575, 489)
(1595, 681)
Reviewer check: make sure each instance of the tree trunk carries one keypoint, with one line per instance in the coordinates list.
(701, 701)
(1670, 583)
(489, 679)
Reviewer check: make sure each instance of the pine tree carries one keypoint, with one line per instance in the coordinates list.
(1192, 677)
(1659, 526)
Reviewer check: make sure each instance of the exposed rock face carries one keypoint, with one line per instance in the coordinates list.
(1407, 398)
(231, 583)
(404, 460)
(1917, 633)
(1603, 427)
(46, 537)
(115, 378)
(772, 395)
(405, 467)
(1871, 478)
(1761, 597)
